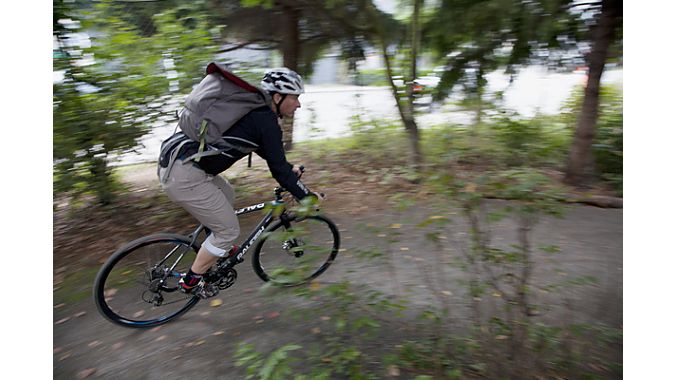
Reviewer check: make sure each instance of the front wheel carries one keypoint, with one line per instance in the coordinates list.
(296, 250)
(138, 285)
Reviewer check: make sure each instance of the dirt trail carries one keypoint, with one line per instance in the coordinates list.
(203, 340)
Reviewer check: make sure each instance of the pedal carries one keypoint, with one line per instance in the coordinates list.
(206, 291)
(228, 280)
(203, 290)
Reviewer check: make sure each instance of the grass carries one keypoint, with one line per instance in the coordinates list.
(76, 286)
(501, 143)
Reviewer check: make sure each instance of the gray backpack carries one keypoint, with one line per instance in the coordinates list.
(215, 105)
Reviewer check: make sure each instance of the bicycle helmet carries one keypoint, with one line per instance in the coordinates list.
(283, 81)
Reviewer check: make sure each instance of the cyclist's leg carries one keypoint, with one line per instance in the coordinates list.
(207, 198)
(223, 224)
(225, 187)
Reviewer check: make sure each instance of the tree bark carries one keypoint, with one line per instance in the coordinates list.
(291, 52)
(478, 113)
(405, 111)
(291, 44)
(411, 126)
(580, 169)
(415, 39)
(287, 133)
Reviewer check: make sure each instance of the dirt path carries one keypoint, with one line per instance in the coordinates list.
(86, 345)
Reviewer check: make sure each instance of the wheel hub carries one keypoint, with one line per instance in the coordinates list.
(155, 285)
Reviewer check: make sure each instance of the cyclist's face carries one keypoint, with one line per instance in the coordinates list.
(289, 105)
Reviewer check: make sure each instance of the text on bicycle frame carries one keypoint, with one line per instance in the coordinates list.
(251, 241)
(250, 208)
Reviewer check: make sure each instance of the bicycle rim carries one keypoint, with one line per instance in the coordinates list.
(136, 287)
(295, 255)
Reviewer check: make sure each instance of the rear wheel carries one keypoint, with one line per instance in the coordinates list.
(138, 285)
(295, 251)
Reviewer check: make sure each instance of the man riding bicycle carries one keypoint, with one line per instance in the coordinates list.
(191, 177)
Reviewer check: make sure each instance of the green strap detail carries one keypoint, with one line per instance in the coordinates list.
(203, 132)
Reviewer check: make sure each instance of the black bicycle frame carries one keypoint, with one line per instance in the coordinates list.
(257, 231)
(239, 257)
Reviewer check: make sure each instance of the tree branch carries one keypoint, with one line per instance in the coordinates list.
(271, 47)
(315, 37)
(245, 44)
(331, 14)
(594, 3)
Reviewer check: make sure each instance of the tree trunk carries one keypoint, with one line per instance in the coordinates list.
(580, 170)
(478, 113)
(405, 108)
(291, 52)
(411, 125)
(405, 111)
(287, 133)
(102, 181)
(415, 39)
(291, 46)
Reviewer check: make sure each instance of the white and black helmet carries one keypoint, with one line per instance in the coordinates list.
(282, 81)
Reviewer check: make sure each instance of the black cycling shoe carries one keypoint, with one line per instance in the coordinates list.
(201, 290)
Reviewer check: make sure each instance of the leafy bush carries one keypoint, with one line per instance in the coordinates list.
(608, 145)
(539, 141)
(373, 77)
(518, 137)
(115, 89)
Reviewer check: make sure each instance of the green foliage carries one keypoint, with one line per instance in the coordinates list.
(337, 355)
(567, 348)
(506, 274)
(321, 24)
(373, 77)
(536, 191)
(401, 201)
(115, 88)
(540, 140)
(578, 281)
(517, 137)
(277, 366)
(505, 140)
(359, 316)
(475, 38)
(369, 253)
(424, 355)
(267, 4)
(373, 144)
(75, 287)
(371, 135)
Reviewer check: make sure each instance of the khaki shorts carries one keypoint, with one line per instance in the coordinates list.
(208, 198)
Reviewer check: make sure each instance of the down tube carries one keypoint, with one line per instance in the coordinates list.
(255, 235)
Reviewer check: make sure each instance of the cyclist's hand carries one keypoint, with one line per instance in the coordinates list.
(296, 169)
(321, 197)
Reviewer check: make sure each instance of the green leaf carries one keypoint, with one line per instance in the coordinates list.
(550, 249)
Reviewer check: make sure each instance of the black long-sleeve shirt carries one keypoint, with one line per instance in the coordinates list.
(258, 129)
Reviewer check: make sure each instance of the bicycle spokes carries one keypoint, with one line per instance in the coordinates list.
(140, 286)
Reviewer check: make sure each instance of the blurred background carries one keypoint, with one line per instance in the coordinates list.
(498, 115)
(121, 69)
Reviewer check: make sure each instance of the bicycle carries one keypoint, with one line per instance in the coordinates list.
(296, 243)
